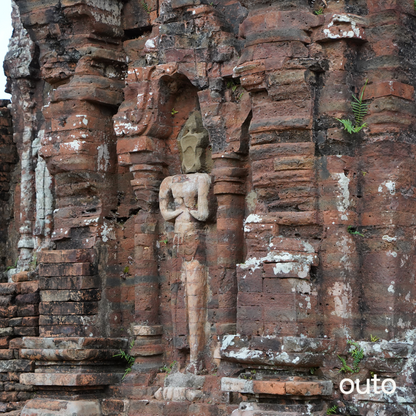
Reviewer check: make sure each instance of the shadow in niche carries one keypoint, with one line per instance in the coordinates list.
(178, 99)
(245, 134)
(135, 33)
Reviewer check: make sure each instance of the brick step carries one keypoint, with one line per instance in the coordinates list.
(69, 282)
(73, 343)
(66, 269)
(69, 330)
(70, 379)
(66, 256)
(39, 407)
(274, 409)
(69, 354)
(295, 387)
(68, 308)
(70, 295)
(292, 352)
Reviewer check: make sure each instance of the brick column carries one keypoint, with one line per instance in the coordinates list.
(230, 190)
(147, 330)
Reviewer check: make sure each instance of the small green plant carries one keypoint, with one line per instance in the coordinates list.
(126, 270)
(167, 368)
(128, 358)
(165, 241)
(345, 368)
(173, 111)
(12, 267)
(319, 12)
(34, 262)
(373, 338)
(313, 370)
(232, 86)
(352, 232)
(240, 96)
(357, 353)
(372, 374)
(332, 411)
(359, 109)
(146, 7)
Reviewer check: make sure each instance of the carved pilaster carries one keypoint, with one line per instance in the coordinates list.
(230, 190)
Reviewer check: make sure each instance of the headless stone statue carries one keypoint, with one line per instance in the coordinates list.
(189, 193)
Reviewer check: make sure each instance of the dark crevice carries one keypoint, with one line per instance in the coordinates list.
(137, 32)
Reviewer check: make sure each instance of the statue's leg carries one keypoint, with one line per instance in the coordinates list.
(196, 294)
(178, 305)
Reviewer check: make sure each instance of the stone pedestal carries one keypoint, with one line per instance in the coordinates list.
(71, 373)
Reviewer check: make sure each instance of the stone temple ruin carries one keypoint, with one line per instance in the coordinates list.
(208, 208)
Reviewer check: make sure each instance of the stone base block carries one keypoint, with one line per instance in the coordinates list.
(69, 379)
(42, 407)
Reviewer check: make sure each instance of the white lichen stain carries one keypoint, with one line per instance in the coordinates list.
(343, 199)
(342, 299)
(402, 324)
(343, 18)
(150, 43)
(107, 233)
(227, 341)
(389, 185)
(103, 158)
(391, 288)
(403, 260)
(285, 263)
(343, 245)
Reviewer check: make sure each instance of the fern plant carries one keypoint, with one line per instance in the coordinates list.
(128, 358)
(357, 353)
(360, 110)
(167, 368)
(145, 7)
(332, 411)
(345, 368)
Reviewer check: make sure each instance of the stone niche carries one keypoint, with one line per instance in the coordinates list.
(185, 225)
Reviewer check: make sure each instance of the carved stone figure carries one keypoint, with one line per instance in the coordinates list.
(184, 201)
